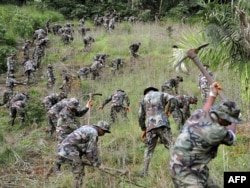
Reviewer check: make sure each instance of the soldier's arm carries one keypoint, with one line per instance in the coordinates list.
(142, 116)
(106, 101)
(92, 152)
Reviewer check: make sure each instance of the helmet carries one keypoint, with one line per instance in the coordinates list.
(73, 103)
(104, 125)
(227, 110)
(150, 88)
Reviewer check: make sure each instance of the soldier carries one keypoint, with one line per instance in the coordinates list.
(66, 85)
(117, 64)
(39, 34)
(117, 105)
(8, 92)
(52, 99)
(203, 84)
(83, 30)
(154, 122)
(83, 73)
(172, 84)
(53, 114)
(17, 105)
(55, 29)
(88, 40)
(50, 76)
(11, 64)
(29, 70)
(96, 68)
(26, 50)
(66, 123)
(82, 143)
(67, 38)
(81, 21)
(181, 109)
(101, 57)
(134, 48)
(39, 52)
(198, 142)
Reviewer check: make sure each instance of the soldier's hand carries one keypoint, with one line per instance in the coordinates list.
(90, 103)
(102, 167)
(214, 89)
(128, 109)
(100, 107)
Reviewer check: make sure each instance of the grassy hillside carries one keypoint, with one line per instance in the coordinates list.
(27, 153)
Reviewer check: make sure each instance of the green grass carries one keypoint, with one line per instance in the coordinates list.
(27, 153)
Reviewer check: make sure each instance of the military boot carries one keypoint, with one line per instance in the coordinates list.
(58, 168)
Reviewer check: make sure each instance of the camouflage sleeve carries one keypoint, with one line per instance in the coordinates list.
(81, 112)
(127, 100)
(142, 116)
(106, 101)
(92, 152)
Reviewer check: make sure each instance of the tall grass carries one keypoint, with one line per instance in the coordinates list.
(29, 154)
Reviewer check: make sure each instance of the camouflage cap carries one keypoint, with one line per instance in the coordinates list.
(227, 110)
(150, 88)
(104, 125)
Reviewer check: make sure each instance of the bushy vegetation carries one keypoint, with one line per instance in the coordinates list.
(27, 153)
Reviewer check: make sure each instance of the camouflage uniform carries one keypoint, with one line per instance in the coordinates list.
(82, 30)
(39, 52)
(11, 64)
(29, 70)
(8, 92)
(152, 119)
(26, 50)
(66, 121)
(53, 114)
(50, 76)
(117, 64)
(66, 85)
(171, 84)
(102, 58)
(83, 73)
(198, 142)
(176, 112)
(134, 48)
(67, 38)
(17, 105)
(95, 69)
(39, 34)
(180, 109)
(82, 143)
(204, 86)
(88, 40)
(117, 106)
(52, 99)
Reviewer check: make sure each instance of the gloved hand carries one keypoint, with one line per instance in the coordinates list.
(214, 89)
(100, 107)
(128, 109)
(90, 103)
(102, 167)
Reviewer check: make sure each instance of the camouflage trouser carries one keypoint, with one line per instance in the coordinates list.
(30, 75)
(50, 82)
(192, 179)
(52, 122)
(77, 168)
(118, 109)
(64, 128)
(178, 118)
(204, 94)
(165, 135)
(95, 73)
(14, 111)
